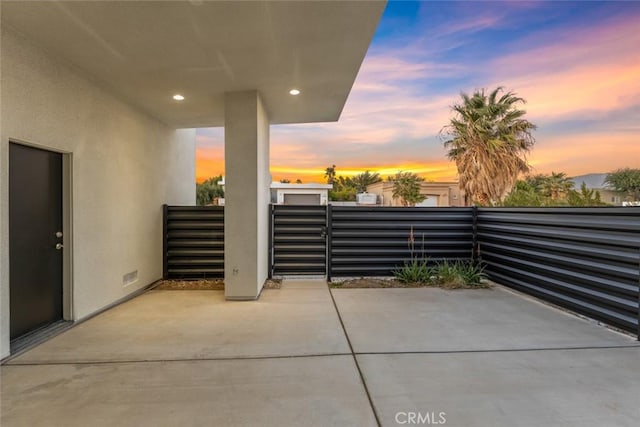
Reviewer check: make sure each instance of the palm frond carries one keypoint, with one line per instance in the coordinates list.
(489, 138)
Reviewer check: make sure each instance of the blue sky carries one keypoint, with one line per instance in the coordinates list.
(576, 63)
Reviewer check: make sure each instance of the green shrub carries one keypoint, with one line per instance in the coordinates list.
(347, 194)
(209, 190)
(457, 274)
(446, 272)
(414, 271)
(473, 273)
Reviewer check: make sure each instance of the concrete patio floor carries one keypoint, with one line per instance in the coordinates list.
(404, 356)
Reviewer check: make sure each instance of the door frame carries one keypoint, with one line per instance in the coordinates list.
(67, 224)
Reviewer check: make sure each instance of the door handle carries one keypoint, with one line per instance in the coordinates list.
(58, 234)
(59, 246)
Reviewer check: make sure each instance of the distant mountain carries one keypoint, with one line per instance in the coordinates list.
(592, 180)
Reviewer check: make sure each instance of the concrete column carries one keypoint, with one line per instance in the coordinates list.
(247, 195)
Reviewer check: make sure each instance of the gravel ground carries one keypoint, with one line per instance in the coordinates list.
(202, 285)
(377, 282)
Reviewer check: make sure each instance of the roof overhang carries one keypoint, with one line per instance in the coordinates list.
(147, 51)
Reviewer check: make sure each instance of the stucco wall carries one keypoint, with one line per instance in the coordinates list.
(125, 165)
(448, 194)
(322, 195)
(247, 183)
(264, 194)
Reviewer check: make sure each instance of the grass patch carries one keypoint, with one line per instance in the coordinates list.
(445, 274)
(459, 274)
(414, 271)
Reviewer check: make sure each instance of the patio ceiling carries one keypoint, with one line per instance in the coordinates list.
(148, 51)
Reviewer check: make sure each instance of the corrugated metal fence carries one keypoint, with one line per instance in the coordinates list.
(375, 241)
(584, 259)
(193, 242)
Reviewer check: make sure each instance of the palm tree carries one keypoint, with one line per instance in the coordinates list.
(406, 187)
(555, 186)
(535, 181)
(330, 174)
(625, 181)
(488, 140)
(342, 182)
(365, 179)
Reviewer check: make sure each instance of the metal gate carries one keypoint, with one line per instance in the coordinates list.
(298, 240)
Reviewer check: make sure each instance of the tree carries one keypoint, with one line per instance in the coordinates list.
(285, 181)
(585, 197)
(538, 190)
(347, 194)
(342, 183)
(298, 181)
(555, 186)
(365, 179)
(524, 194)
(535, 181)
(489, 139)
(343, 189)
(406, 187)
(208, 190)
(626, 181)
(330, 174)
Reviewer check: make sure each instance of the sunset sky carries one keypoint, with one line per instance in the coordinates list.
(576, 63)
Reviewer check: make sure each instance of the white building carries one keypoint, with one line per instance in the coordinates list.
(300, 194)
(436, 194)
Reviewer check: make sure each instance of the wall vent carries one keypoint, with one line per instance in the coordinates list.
(130, 278)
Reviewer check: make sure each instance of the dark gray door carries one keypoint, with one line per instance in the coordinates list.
(302, 199)
(35, 216)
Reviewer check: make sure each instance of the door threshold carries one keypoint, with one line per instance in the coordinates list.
(40, 335)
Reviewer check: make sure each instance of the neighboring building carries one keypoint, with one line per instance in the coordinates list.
(219, 201)
(596, 181)
(362, 199)
(438, 194)
(300, 194)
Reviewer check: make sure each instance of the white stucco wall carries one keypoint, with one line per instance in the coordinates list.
(264, 194)
(125, 165)
(247, 195)
(323, 194)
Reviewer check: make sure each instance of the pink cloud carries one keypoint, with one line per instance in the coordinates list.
(582, 73)
(382, 108)
(387, 124)
(584, 153)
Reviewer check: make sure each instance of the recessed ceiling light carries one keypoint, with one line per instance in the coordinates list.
(294, 92)
(178, 97)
